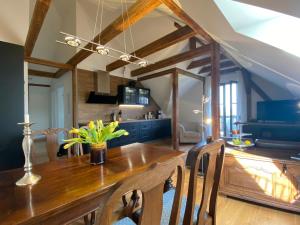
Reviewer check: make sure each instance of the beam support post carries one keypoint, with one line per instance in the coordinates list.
(215, 82)
(75, 96)
(175, 111)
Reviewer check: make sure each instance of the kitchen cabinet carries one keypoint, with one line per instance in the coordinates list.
(142, 131)
(133, 95)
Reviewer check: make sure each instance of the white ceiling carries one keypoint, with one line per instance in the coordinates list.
(260, 58)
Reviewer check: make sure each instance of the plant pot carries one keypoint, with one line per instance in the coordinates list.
(98, 153)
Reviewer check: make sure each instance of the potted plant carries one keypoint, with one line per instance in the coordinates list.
(96, 135)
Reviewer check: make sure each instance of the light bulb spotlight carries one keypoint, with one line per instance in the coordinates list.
(125, 57)
(72, 41)
(102, 50)
(143, 63)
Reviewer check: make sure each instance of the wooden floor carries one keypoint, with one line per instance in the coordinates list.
(236, 212)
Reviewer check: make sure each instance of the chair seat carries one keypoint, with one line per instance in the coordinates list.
(125, 221)
(167, 208)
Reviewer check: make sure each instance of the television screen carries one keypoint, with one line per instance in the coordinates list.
(280, 111)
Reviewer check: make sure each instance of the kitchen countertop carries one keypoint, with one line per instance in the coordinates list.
(126, 121)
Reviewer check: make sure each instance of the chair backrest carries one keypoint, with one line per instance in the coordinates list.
(52, 143)
(151, 184)
(207, 212)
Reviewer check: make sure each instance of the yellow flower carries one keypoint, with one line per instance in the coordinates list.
(126, 133)
(91, 125)
(74, 131)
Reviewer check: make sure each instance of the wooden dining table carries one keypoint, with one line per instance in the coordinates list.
(70, 188)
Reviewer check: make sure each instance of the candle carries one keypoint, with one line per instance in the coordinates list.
(26, 118)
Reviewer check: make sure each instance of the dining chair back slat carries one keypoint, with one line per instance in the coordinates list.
(207, 211)
(151, 185)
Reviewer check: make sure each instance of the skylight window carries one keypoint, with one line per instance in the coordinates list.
(277, 29)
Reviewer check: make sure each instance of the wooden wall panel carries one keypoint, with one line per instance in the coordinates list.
(86, 112)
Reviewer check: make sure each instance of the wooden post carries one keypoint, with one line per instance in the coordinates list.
(215, 82)
(175, 111)
(75, 96)
(247, 83)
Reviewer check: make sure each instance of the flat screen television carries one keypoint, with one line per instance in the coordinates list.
(279, 111)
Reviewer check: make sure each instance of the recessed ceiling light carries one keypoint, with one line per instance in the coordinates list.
(102, 50)
(74, 42)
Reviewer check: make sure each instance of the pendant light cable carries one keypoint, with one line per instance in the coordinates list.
(130, 31)
(96, 21)
(124, 32)
(101, 22)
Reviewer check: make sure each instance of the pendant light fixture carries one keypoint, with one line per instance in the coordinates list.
(104, 50)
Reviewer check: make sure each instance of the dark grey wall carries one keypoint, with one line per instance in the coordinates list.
(11, 105)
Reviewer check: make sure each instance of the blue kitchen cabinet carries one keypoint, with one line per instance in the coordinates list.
(142, 131)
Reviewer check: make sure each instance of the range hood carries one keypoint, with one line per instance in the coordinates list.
(101, 95)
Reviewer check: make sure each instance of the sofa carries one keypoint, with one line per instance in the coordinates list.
(190, 133)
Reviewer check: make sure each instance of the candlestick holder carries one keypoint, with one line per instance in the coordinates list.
(29, 178)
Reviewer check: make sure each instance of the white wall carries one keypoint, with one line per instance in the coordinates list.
(66, 82)
(14, 21)
(272, 90)
(39, 103)
(190, 96)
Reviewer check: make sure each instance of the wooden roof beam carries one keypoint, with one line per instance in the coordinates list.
(137, 11)
(158, 74)
(223, 65)
(193, 39)
(40, 73)
(162, 43)
(39, 14)
(203, 62)
(173, 60)
(189, 74)
(188, 20)
(49, 63)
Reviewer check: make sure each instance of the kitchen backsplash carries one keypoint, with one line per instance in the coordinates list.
(87, 112)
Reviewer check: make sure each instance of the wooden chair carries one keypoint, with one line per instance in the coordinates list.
(195, 214)
(207, 211)
(151, 184)
(52, 144)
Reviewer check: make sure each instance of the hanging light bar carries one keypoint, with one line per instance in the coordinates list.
(74, 41)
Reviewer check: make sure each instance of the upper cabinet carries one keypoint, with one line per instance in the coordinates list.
(144, 96)
(133, 95)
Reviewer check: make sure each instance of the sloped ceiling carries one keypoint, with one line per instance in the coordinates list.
(262, 59)
(269, 62)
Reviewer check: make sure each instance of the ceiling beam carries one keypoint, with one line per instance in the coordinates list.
(202, 62)
(158, 74)
(223, 65)
(229, 70)
(178, 26)
(173, 60)
(170, 72)
(39, 13)
(164, 42)
(136, 12)
(189, 74)
(40, 73)
(45, 62)
(188, 20)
